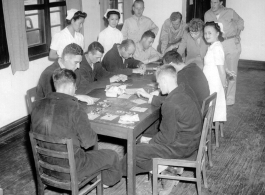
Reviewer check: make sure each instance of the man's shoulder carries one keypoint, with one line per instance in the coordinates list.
(167, 23)
(50, 69)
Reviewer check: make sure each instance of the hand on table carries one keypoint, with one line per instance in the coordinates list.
(114, 78)
(139, 71)
(85, 98)
(142, 92)
(123, 77)
(145, 140)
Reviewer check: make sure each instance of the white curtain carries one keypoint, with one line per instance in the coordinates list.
(14, 15)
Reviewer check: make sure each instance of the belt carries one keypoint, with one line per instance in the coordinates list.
(230, 37)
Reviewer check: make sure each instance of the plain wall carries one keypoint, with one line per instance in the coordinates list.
(159, 11)
(252, 38)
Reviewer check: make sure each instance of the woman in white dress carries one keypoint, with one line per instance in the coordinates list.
(110, 35)
(214, 67)
(70, 34)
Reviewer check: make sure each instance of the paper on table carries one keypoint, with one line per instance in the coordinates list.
(132, 91)
(139, 101)
(125, 96)
(129, 119)
(109, 117)
(92, 116)
(138, 109)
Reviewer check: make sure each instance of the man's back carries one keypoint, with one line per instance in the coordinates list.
(193, 76)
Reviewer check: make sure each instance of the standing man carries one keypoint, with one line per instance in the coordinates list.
(144, 51)
(172, 32)
(135, 26)
(233, 24)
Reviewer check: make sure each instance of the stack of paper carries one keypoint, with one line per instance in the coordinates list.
(128, 119)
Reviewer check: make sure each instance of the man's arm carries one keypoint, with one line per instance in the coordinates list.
(183, 44)
(164, 37)
(125, 29)
(154, 28)
(239, 22)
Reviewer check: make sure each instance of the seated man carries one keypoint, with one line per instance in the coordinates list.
(189, 74)
(144, 51)
(194, 42)
(180, 127)
(92, 71)
(60, 115)
(119, 59)
(70, 59)
(172, 31)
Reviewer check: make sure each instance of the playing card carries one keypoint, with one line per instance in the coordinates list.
(139, 101)
(124, 96)
(109, 117)
(92, 116)
(138, 109)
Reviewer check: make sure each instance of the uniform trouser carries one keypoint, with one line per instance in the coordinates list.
(232, 52)
(103, 160)
(144, 155)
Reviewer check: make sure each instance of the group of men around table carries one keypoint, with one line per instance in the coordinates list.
(75, 74)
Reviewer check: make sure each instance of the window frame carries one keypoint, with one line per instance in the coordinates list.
(42, 50)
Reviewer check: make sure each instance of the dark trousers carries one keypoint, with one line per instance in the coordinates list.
(103, 160)
(144, 155)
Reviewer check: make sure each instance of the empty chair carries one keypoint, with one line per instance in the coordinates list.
(196, 162)
(62, 177)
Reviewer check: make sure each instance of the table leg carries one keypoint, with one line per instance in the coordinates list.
(131, 164)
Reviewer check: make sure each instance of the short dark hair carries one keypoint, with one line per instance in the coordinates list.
(63, 76)
(167, 69)
(148, 34)
(175, 15)
(217, 28)
(138, 1)
(72, 49)
(95, 46)
(173, 56)
(113, 12)
(196, 25)
(127, 43)
(76, 16)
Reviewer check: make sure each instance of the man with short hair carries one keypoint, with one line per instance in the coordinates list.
(144, 51)
(172, 31)
(70, 59)
(60, 115)
(119, 59)
(135, 26)
(233, 24)
(190, 74)
(92, 71)
(180, 127)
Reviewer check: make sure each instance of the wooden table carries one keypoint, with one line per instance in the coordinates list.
(128, 132)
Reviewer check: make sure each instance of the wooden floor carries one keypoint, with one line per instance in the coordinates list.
(239, 162)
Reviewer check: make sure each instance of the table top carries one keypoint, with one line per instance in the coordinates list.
(119, 106)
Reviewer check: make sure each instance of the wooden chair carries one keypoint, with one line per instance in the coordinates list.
(31, 96)
(41, 165)
(198, 163)
(205, 105)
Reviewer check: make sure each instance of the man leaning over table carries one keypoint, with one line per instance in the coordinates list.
(233, 25)
(144, 51)
(92, 71)
(70, 59)
(119, 59)
(180, 127)
(59, 114)
(135, 26)
(171, 32)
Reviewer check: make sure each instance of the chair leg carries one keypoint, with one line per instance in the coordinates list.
(217, 133)
(100, 186)
(222, 129)
(198, 176)
(209, 147)
(204, 175)
(41, 186)
(155, 191)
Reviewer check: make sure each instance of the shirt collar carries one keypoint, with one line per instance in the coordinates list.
(136, 18)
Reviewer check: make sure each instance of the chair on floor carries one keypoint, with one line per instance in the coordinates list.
(46, 171)
(31, 96)
(210, 100)
(197, 163)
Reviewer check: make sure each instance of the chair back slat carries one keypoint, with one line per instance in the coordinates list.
(53, 140)
(53, 167)
(52, 153)
(206, 125)
(55, 183)
(206, 103)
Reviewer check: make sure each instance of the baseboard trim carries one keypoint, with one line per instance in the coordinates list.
(19, 126)
(251, 64)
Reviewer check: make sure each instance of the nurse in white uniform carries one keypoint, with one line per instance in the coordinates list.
(110, 35)
(70, 34)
